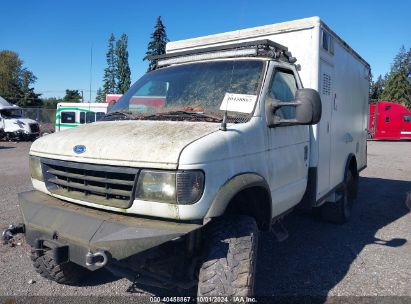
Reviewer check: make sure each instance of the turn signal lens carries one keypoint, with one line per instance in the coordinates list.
(190, 185)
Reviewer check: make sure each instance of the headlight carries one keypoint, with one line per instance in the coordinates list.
(184, 188)
(35, 168)
(157, 186)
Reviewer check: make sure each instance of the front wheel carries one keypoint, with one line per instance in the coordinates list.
(230, 258)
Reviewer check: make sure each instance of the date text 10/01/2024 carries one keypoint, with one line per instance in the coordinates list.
(203, 299)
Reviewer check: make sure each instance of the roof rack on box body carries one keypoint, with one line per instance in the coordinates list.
(258, 48)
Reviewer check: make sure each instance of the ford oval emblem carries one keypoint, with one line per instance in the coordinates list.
(79, 149)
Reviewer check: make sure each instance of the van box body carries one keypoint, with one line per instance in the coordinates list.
(329, 66)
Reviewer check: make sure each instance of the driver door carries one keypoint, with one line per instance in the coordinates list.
(287, 146)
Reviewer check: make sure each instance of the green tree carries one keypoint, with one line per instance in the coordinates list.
(16, 80)
(123, 73)
(100, 96)
(401, 60)
(109, 78)
(50, 102)
(377, 88)
(72, 96)
(157, 45)
(28, 96)
(398, 88)
(10, 75)
(408, 65)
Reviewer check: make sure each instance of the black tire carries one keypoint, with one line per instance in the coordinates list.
(340, 212)
(230, 258)
(66, 273)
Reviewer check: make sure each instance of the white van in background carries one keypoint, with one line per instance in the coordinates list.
(13, 126)
(70, 115)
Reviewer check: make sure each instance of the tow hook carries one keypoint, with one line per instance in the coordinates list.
(98, 258)
(11, 231)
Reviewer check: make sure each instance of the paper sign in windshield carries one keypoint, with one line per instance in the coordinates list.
(238, 102)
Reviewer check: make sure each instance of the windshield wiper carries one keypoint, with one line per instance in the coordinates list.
(181, 115)
(118, 115)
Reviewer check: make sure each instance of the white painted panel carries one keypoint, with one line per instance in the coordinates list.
(326, 91)
(345, 119)
(349, 112)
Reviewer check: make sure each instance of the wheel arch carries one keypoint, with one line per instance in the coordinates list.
(246, 194)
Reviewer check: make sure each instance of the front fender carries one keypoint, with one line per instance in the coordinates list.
(233, 186)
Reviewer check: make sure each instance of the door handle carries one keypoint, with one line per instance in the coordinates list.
(335, 102)
(305, 153)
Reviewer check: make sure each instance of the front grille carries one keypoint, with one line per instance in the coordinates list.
(99, 184)
(34, 128)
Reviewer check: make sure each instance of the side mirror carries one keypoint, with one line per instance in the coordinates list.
(307, 105)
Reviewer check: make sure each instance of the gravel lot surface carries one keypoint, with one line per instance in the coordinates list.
(370, 256)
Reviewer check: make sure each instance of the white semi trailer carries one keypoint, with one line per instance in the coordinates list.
(245, 133)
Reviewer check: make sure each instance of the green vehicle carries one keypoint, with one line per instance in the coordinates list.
(73, 114)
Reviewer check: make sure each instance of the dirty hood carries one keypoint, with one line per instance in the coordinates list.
(137, 143)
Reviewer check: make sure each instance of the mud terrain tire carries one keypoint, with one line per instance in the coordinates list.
(230, 257)
(66, 273)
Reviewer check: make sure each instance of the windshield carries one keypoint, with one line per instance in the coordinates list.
(206, 88)
(11, 113)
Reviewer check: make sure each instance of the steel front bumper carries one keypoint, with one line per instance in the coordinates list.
(82, 230)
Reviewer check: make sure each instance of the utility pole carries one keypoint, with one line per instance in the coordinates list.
(82, 96)
(91, 67)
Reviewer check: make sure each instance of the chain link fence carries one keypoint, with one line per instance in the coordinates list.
(44, 116)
